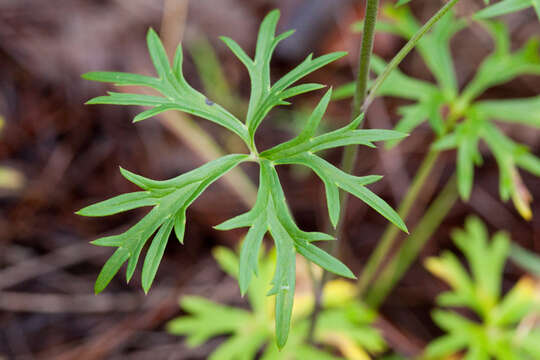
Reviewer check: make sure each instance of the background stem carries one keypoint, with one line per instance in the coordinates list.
(391, 232)
(399, 264)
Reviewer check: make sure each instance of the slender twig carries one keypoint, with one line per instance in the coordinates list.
(391, 232)
(350, 152)
(410, 249)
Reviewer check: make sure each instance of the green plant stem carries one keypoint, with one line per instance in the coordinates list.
(410, 249)
(409, 46)
(366, 49)
(351, 152)
(391, 232)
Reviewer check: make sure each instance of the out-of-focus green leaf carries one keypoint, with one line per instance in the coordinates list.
(502, 65)
(506, 7)
(497, 335)
(522, 111)
(525, 259)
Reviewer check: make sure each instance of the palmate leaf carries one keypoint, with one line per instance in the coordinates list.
(264, 95)
(170, 199)
(177, 93)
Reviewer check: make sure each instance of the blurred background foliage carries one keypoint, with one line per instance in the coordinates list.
(57, 156)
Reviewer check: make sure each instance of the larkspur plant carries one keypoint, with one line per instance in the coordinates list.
(468, 120)
(506, 328)
(170, 198)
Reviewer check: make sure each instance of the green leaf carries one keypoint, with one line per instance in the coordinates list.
(122, 79)
(128, 99)
(323, 259)
(249, 255)
(499, 321)
(465, 166)
(110, 269)
(155, 254)
(119, 204)
(154, 111)
(227, 260)
(526, 259)
(180, 225)
(270, 214)
(502, 65)
(159, 56)
(284, 280)
(522, 111)
(207, 320)
(502, 8)
(503, 150)
(445, 346)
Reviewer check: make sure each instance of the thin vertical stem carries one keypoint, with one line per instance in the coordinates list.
(350, 152)
(366, 49)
